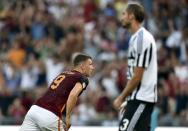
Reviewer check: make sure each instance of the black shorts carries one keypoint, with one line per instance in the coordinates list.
(137, 116)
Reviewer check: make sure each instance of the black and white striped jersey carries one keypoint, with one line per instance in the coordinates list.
(143, 53)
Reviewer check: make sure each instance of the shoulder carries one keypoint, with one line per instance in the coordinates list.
(82, 79)
(147, 35)
(144, 40)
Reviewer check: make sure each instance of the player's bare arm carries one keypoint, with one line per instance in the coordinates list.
(71, 102)
(131, 85)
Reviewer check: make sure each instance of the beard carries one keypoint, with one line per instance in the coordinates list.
(126, 25)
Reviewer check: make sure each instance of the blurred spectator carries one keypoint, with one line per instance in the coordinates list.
(86, 111)
(12, 77)
(27, 100)
(17, 54)
(72, 43)
(17, 111)
(103, 102)
(38, 26)
(54, 66)
(90, 9)
(29, 74)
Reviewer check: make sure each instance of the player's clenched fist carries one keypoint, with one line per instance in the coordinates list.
(117, 103)
(67, 124)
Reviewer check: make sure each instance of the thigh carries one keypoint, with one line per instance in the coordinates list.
(145, 119)
(133, 111)
(29, 124)
(53, 125)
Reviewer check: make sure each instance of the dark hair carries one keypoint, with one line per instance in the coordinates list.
(137, 10)
(80, 58)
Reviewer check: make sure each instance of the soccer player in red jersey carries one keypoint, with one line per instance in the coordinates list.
(61, 96)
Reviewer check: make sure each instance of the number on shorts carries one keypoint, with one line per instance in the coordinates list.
(124, 125)
(57, 81)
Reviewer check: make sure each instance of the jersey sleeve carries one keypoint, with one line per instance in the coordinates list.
(84, 81)
(143, 51)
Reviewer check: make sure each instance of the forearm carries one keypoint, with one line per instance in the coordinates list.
(70, 105)
(131, 85)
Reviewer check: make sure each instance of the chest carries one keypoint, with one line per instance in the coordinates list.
(132, 52)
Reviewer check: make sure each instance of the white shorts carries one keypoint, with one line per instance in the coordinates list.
(40, 119)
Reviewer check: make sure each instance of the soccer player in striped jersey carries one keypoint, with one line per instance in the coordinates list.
(141, 89)
(60, 98)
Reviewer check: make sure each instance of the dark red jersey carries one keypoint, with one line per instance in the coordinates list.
(56, 96)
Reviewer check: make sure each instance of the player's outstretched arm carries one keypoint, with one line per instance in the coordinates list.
(71, 102)
(131, 85)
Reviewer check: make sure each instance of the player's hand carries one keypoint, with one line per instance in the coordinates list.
(122, 107)
(67, 123)
(117, 103)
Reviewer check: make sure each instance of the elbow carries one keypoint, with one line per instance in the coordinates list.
(137, 79)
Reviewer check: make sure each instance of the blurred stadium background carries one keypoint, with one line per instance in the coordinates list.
(38, 38)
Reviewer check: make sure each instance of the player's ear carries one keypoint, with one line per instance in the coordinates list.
(131, 16)
(82, 66)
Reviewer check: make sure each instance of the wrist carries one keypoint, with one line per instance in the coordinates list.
(121, 97)
(67, 116)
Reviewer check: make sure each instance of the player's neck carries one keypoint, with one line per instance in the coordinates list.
(78, 69)
(135, 27)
